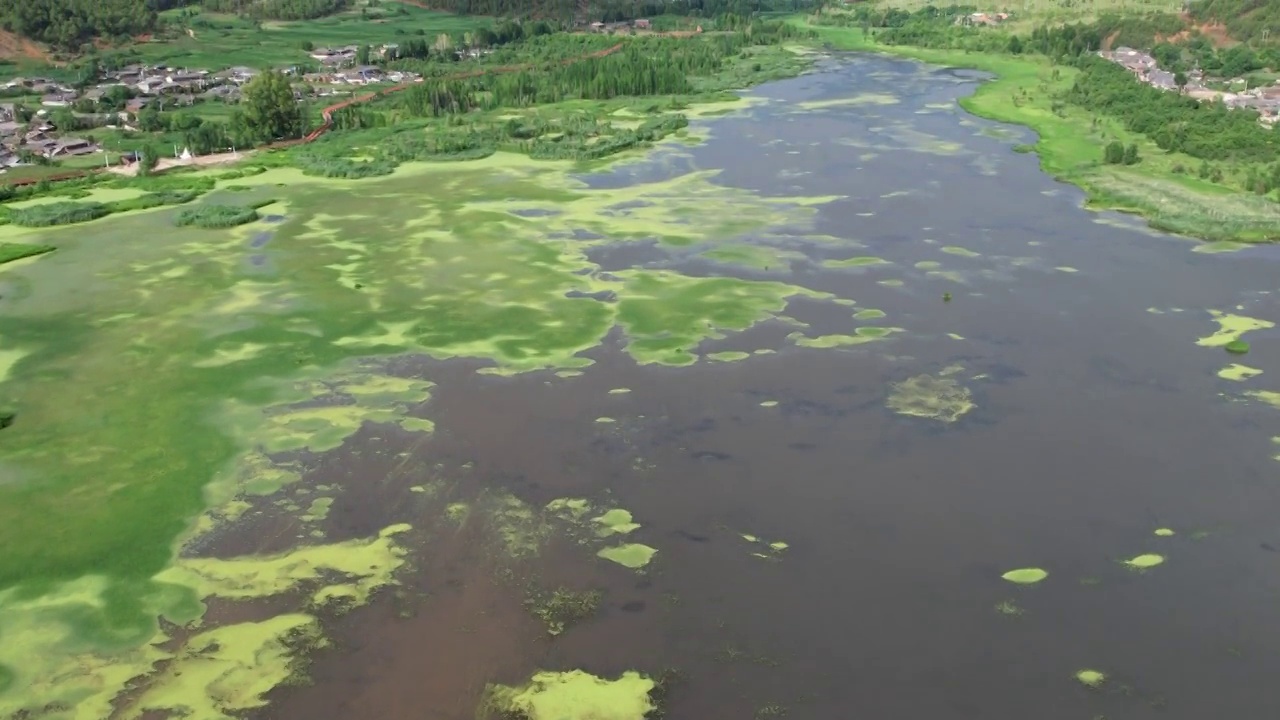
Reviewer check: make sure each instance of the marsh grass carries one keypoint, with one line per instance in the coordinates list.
(58, 213)
(216, 216)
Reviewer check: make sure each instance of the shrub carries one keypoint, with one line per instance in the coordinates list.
(216, 216)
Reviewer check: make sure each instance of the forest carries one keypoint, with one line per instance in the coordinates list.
(277, 9)
(1246, 20)
(614, 10)
(71, 23)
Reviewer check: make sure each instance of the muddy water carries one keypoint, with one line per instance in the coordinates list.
(1098, 420)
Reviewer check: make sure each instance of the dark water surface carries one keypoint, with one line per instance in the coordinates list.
(1097, 422)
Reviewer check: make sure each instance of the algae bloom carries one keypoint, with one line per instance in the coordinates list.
(631, 555)
(1091, 678)
(1025, 576)
(926, 396)
(1164, 532)
(575, 695)
(1142, 562)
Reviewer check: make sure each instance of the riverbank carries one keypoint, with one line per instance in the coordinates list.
(1159, 188)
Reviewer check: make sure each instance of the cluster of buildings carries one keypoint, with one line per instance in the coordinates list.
(981, 18)
(618, 27)
(1264, 100)
(36, 137)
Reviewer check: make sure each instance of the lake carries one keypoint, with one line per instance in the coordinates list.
(844, 364)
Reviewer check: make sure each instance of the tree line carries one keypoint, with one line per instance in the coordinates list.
(647, 66)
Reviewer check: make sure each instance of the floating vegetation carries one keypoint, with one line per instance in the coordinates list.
(574, 695)
(1066, 269)
(728, 356)
(768, 550)
(891, 282)
(1236, 347)
(959, 251)
(629, 555)
(855, 262)
(769, 403)
(861, 335)
(619, 391)
(927, 396)
(1025, 576)
(1009, 607)
(58, 213)
(1231, 327)
(1144, 562)
(615, 522)
(946, 297)
(605, 420)
(1269, 397)
(1091, 678)
(868, 314)
(1164, 532)
(562, 608)
(1238, 372)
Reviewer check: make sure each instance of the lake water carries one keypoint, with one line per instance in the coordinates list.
(1097, 421)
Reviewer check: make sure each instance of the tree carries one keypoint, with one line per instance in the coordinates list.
(148, 157)
(362, 55)
(1015, 45)
(1114, 153)
(270, 110)
(1180, 79)
(1130, 156)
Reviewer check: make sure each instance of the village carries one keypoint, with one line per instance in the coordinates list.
(1264, 100)
(29, 133)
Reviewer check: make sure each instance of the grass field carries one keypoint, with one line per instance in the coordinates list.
(1071, 140)
(218, 41)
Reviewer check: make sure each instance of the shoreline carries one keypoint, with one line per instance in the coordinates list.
(1070, 146)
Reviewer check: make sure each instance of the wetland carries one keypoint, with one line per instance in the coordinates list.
(845, 409)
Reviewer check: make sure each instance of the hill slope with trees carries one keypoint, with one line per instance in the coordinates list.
(1245, 20)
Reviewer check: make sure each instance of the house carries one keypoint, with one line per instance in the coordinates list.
(7, 112)
(335, 56)
(72, 146)
(597, 26)
(643, 25)
(58, 99)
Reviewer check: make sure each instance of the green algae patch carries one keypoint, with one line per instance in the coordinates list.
(1066, 269)
(933, 397)
(571, 509)
(759, 257)
(666, 315)
(1238, 372)
(891, 282)
(619, 391)
(605, 420)
(728, 356)
(224, 672)
(366, 565)
(1269, 397)
(615, 522)
(1231, 328)
(1237, 347)
(855, 262)
(629, 555)
(1144, 562)
(928, 265)
(959, 251)
(574, 695)
(856, 100)
(1025, 576)
(769, 403)
(767, 549)
(868, 314)
(1164, 532)
(1091, 678)
(861, 336)
(1220, 246)
(318, 510)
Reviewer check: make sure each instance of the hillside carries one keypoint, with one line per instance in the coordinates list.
(70, 24)
(1245, 20)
